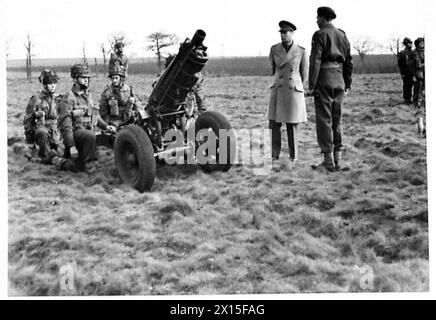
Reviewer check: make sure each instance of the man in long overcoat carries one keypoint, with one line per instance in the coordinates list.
(289, 65)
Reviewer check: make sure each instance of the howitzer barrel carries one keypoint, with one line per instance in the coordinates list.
(180, 76)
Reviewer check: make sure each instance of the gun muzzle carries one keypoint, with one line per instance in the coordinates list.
(198, 37)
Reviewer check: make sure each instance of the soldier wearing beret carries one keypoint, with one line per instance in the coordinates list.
(78, 117)
(329, 79)
(118, 57)
(40, 122)
(289, 66)
(118, 101)
(403, 60)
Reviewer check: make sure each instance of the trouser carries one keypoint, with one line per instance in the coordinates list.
(85, 144)
(199, 98)
(42, 139)
(329, 96)
(418, 95)
(276, 138)
(407, 88)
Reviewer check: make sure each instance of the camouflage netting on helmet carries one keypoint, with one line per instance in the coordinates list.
(79, 70)
(48, 76)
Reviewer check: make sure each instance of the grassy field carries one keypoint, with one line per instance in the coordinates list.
(237, 66)
(294, 230)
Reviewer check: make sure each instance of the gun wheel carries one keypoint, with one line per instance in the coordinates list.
(215, 121)
(134, 158)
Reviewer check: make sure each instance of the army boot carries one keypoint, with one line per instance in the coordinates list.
(337, 155)
(327, 163)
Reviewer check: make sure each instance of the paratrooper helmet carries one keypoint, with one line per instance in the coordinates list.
(80, 70)
(117, 69)
(48, 76)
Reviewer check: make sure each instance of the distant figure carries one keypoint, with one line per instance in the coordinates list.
(40, 122)
(330, 72)
(78, 117)
(197, 90)
(118, 57)
(405, 71)
(289, 66)
(118, 101)
(418, 72)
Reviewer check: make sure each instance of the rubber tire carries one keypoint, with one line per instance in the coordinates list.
(134, 140)
(216, 121)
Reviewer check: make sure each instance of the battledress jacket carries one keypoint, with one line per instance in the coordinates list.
(119, 97)
(77, 111)
(330, 44)
(286, 101)
(46, 102)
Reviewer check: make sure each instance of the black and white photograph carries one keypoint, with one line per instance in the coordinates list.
(215, 148)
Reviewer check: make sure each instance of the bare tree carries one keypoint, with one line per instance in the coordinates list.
(29, 46)
(159, 41)
(364, 46)
(394, 46)
(105, 52)
(95, 67)
(85, 62)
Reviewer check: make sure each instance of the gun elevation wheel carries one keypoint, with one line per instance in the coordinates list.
(134, 158)
(215, 121)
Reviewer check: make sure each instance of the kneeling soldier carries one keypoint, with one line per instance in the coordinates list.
(78, 117)
(118, 101)
(40, 122)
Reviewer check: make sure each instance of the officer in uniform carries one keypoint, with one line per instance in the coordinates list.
(286, 102)
(78, 117)
(418, 72)
(405, 72)
(330, 72)
(118, 57)
(40, 122)
(118, 100)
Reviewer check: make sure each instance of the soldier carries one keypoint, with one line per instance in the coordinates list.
(118, 57)
(330, 72)
(78, 118)
(197, 94)
(418, 72)
(286, 103)
(405, 72)
(40, 122)
(118, 100)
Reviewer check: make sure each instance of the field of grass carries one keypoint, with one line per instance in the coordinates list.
(237, 66)
(294, 230)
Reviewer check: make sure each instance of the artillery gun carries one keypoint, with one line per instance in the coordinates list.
(149, 134)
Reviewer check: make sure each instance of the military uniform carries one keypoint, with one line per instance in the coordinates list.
(403, 60)
(77, 120)
(115, 106)
(40, 123)
(417, 68)
(329, 75)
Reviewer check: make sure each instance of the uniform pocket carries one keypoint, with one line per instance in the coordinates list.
(299, 87)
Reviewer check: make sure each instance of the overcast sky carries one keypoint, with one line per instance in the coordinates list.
(234, 27)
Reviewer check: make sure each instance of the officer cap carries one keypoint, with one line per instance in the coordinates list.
(287, 26)
(48, 76)
(407, 40)
(80, 70)
(117, 70)
(418, 40)
(326, 12)
(119, 44)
